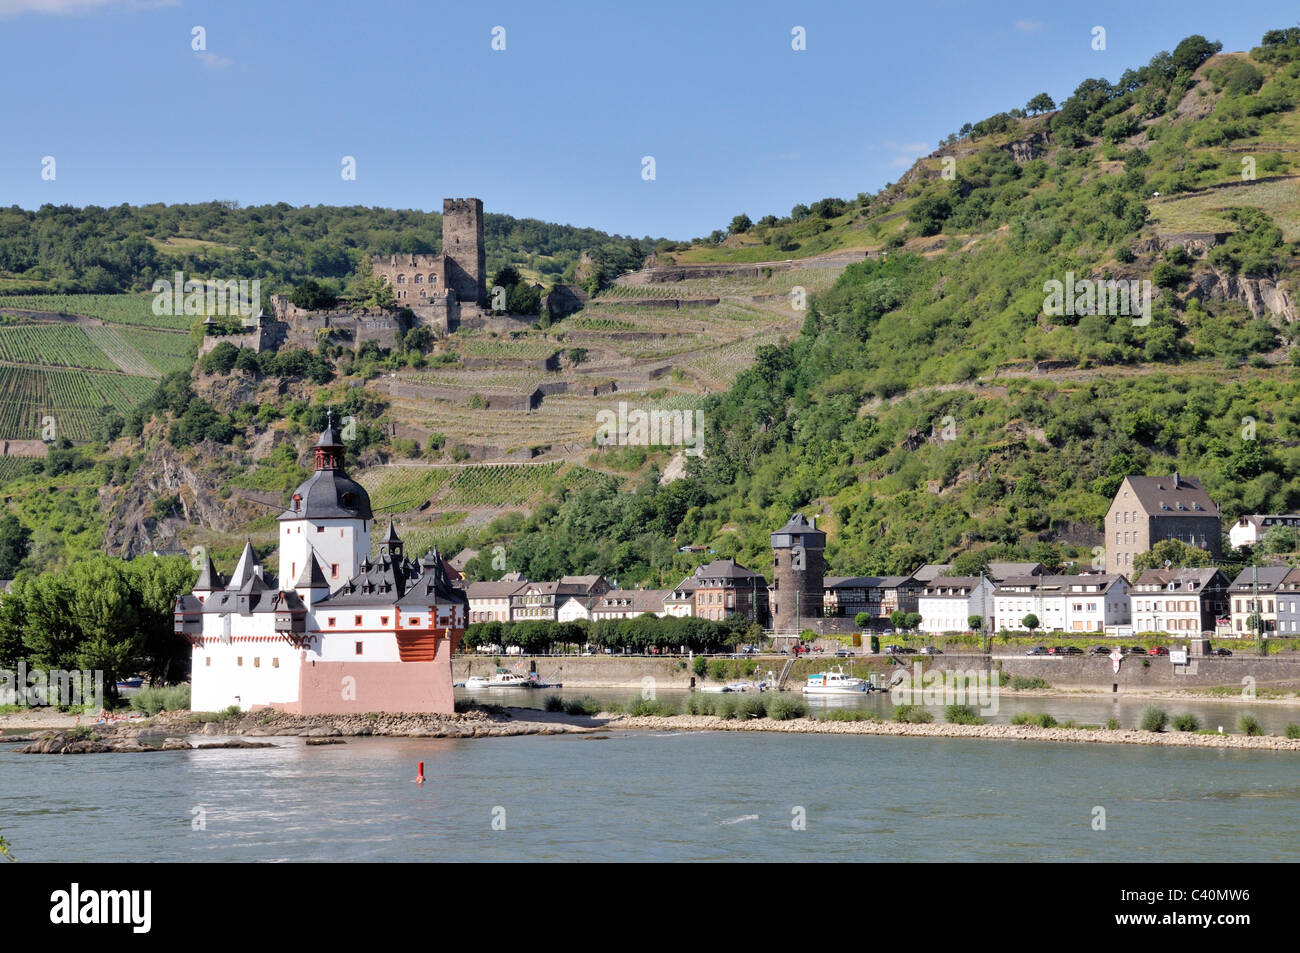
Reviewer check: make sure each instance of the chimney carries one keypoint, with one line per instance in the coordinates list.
(813, 521)
(1176, 483)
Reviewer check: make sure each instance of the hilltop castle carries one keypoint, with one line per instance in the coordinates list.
(335, 632)
(435, 286)
(441, 291)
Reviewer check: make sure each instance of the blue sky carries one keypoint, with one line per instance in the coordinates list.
(556, 125)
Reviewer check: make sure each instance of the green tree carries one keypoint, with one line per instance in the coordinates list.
(975, 623)
(1040, 104)
(1174, 551)
(741, 224)
(1030, 622)
(15, 544)
(912, 620)
(862, 620)
(898, 620)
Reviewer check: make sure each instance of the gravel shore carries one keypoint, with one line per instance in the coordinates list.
(1124, 736)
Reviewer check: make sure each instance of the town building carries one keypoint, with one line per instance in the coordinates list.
(630, 603)
(798, 571)
(348, 634)
(680, 601)
(541, 601)
(947, 603)
(878, 596)
(1183, 602)
(1256, 590)
(491, 601)
(1288, 605)
(724, 588)
(1089, 602)
(1150, 509)
(1249, 530)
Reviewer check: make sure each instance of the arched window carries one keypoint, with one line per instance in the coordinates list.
(419, 279)
(401, 279)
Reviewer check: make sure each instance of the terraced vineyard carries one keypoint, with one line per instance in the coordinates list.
(496, 486)
(389, 486)
(165, 351)
(129, 309)
(71, 400)
(57, 345)
(521, 347)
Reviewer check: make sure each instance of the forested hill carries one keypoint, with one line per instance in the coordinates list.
(934, 407)
(63, 249)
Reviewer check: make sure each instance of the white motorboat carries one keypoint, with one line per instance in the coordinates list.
(733, 687)
(835, 683)
(500, 679)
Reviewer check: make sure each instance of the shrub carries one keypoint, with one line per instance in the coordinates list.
(1112, 724)
(1153, 719)
(847, 714)
(912, 714)
(553, 703)
(725, 707)
(1186, 722)
(1039, 719)
(582, 706)
(163, 698)
(701, 705)
(718, 670)
(751, 706)
(700, 666)
(1249, 725)
(1292, 730)
(782, 708)
(1020, 683)
(962, 715)
(651, 707)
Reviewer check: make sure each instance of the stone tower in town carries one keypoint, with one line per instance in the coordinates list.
(798, 570)
(462, 244)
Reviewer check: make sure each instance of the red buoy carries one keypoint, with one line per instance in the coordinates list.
(419, 774)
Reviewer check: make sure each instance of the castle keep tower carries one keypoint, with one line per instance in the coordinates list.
(462, 244)
(798, 573)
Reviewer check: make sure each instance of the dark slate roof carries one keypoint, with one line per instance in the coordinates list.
(312, 576)
(329, 493)
(931, 571)
(243, 569)
(1173, 495)
(255, 596)
(209, 578)
(725, 569)
(1179, 578)
(395, 580)
(1007, 570)
(434, 584)
(1269, 577)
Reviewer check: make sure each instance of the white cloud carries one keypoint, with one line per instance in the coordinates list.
(1029, 26)
(905, 153)
(213, 61)
(16, 8)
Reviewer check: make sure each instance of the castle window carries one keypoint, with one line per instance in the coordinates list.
(401, 279)
(334, 570)
(208, 661)
(257, 662)
(239, 660)
(331, 621)
(383, 620)
(419, 279)
(357, 620)
(320, 529)
(359, 648)
(275, 663)
(415, 620)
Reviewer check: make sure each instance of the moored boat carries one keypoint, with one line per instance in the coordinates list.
(835, 683)
(501, 678)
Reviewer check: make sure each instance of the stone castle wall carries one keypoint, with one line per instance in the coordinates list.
(462, 248)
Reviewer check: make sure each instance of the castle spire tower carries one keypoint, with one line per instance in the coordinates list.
(462, 246)
(328, 518)
(798, 571)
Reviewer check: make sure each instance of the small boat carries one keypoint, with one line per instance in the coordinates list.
(835, 683)
(733, 687)
(135, 682)
(501, 679)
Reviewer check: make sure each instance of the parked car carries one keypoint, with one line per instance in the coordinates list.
(1158, 650)
(842, 653)
(887, 632)
(931, 650)
(1137, 650)
(1071, 650)
(1100, 650)
(1038, 650)
(1222, 652)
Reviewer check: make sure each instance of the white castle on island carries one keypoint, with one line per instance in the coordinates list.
(349, 635)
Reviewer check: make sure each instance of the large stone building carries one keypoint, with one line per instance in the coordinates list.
(436, 287)
(1149, 509)
(724, 588)
(336, 632)
(798, 573)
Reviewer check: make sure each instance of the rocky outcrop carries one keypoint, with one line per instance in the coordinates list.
(1029, 148)
(1264, 297)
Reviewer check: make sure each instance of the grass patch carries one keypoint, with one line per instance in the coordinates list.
(1249, 725)
(582, 706)
(1022, 683)
(553, 703)
(1154, 719)
(962, 715)
(1292, 731)
(912, 715)
(781, 708)
(847, 714)
(1036, 719)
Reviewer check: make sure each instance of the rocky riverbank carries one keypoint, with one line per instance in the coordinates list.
(988, 732)
(173, 731)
